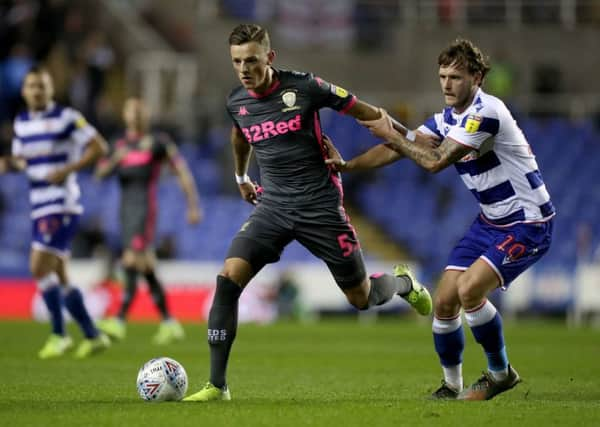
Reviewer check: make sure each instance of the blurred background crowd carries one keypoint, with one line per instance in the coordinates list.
(175, 55)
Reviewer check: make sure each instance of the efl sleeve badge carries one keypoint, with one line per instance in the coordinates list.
(473, 123)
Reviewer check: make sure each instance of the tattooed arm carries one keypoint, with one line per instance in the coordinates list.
(434, 159)
(431, 157)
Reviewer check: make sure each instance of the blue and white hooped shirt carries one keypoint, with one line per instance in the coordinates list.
(501, 170)
(48, 140)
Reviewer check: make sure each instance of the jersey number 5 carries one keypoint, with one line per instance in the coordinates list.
(346, 245)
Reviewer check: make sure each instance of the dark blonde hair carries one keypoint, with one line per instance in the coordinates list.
(463, 53)
(38, 69)
(246, 33)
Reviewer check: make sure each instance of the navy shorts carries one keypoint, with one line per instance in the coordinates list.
(509, 251)
(54, 233)
(325, 231)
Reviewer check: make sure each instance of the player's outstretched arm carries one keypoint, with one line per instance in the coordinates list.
(94, 150)
(187, 184)
(242, 151)
(363, 111)
(423, 150)
(376, 157)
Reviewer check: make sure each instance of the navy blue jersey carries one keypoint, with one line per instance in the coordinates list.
(284, 129)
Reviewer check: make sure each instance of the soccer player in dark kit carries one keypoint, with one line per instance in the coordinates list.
(276, 115)
(137, 160)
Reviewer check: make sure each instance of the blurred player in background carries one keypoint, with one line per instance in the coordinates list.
(276, 114)
(51, 143)
(478, 135)
(137, 160)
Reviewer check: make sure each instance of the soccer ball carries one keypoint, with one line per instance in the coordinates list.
(162, 379)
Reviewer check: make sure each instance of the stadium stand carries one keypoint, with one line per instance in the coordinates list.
(425, 213)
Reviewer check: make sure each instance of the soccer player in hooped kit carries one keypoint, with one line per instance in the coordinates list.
(276, 115)
(51, 143)
(137, 161)
(478, 135)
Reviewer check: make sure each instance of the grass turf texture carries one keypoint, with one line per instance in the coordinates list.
(334, 373)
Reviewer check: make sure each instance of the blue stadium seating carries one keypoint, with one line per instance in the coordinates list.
(406, 203)
(427, 213)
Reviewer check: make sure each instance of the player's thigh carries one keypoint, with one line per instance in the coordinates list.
(42, 263)
(476, 283)
(140, 260)
(61, 270)
(149, 259)
(129, 258)
(446, 303)
(260, 240)
(329, 236)
(238, 270)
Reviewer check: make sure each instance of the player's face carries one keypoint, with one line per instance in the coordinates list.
(458, 86)
(135, 114)
(37, 90)
(251, 62)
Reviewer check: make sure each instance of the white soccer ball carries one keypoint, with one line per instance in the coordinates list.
(162, 379)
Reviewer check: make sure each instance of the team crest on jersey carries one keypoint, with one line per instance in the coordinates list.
(80, 123)
(473, 122)
(339, 91)
(289, 99)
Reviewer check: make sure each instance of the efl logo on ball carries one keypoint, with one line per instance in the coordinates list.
(162, 379)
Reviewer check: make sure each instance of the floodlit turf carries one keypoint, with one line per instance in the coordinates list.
(334, 373)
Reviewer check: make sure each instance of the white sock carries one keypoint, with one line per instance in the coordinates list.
(453, 376)
(499, 375)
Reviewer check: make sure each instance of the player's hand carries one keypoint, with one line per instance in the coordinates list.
(381, 127)
(335, 158)
(248, 192)
(194, 215)
(428, 140)
(58, 176)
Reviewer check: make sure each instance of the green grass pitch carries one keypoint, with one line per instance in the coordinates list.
(332, 373)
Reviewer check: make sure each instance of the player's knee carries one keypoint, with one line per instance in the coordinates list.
(47, 281)
(128, 260)
(469, 291)
(358, 296)
(236, 276)
(228, 274)
(446, 305)
(238, 271)
(359, 302)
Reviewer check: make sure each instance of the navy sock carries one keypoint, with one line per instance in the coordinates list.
(486, 325)
(74, 303)
(53, 299)
(449, 340)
